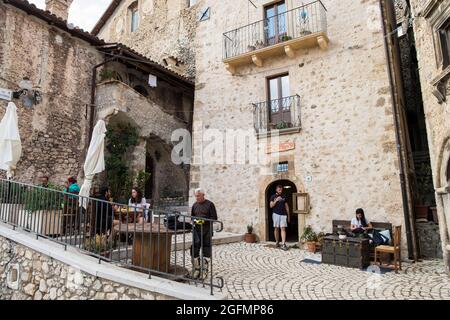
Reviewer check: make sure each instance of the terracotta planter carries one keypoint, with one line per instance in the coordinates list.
(250, 238)
(421, 212)
(312, 246)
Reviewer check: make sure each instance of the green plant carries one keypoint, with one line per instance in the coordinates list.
(250, 228)
(286, 38)
(142, 178)
(309, 235)
(282, 125)
(98, 244)
(106, 74)
(120, 140)
(37, 199)
(320, 237)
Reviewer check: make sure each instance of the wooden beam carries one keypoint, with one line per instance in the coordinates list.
(257, 60)
(289, 51)
(231, 69)
(323, 42)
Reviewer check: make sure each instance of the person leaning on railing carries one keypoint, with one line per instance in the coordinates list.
(202, 233)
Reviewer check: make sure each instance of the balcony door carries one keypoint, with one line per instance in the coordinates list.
(279, 101)
(275, 22)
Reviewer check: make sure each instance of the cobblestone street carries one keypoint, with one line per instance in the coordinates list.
(258, 271)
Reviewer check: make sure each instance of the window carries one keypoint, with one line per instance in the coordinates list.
(444, 36)
(279, 102)
(275, 20)
(134, 13)
(283, 167)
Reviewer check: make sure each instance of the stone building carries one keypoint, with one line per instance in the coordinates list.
(81, 79)
(431, 25)
(317, 88)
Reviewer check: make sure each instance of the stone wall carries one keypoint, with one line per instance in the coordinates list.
(166, 29)
(344, 156)
(40, 277)
(429, 15)
(429, 240)
(53, 133)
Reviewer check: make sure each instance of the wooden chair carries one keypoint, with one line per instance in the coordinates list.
(394, 249)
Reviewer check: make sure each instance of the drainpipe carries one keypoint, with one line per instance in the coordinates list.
(412, 249)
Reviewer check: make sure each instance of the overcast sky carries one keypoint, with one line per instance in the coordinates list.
(82, 13)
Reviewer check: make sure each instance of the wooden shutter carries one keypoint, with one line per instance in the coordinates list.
(300, 203)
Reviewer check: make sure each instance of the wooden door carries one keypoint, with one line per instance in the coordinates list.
(279, 102)
(275, 22)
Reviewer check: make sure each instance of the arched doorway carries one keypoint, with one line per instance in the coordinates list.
(289, 189)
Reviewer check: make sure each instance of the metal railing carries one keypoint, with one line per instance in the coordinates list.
(147, 240)
(279, 114)
(293, 24)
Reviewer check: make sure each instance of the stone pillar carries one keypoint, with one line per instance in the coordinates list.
(59, 8)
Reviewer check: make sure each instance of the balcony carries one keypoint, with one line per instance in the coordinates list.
(299, 28)
(280, 114)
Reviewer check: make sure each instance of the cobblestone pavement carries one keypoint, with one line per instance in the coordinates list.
(259, 271)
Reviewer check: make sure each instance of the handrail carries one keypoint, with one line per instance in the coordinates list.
(279, 14)
(115, 232)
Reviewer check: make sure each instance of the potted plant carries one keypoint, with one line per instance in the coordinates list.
(320, 237)
(286, 38)
(99, 245)
(310, 237)
(45, 210)
(259, 44)
(250, 237)
(282, 125)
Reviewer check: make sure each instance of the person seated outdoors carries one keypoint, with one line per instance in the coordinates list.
(72, 187)
(139, 204)
(104, 213)
(360, 224)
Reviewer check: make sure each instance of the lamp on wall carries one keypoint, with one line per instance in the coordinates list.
(29, 95)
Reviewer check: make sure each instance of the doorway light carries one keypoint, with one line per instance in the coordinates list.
(287, 187)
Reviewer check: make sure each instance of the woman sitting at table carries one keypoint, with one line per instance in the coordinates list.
(360, 224)
(138, 202)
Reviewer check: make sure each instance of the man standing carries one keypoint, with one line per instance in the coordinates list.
(203, 231)
(280, 216)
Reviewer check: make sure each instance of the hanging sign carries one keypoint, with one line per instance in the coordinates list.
(6, 94)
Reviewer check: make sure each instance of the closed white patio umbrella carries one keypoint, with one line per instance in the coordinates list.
(95, 160)
(10, 143)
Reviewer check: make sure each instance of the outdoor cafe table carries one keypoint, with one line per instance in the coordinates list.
(152, 244)
(129, 214)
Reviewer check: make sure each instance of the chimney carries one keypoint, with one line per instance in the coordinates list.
(60, 8)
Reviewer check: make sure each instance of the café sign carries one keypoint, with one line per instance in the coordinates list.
(281, 147)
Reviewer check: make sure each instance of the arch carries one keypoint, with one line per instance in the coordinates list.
(289, 189)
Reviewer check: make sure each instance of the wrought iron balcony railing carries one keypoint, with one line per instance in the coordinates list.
(297, 23)
(279, 114)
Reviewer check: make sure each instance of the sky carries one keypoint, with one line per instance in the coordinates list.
(82, 13)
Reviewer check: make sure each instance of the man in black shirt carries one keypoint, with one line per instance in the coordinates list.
(104, 212)
(280, 216)
(203, 231)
